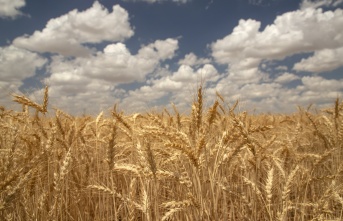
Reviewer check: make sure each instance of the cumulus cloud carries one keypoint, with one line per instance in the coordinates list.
(296, 32)
(291, 33)
(232, 47)
(10, 8)
(262, 97)
(179, 87)
(192, 60)
(16, 65)
(186, 74)
(89, 101)
(320, 3)
(275, 97)
(115, 64)
(286, 78)
(315, 90)
(100, 74)
(317, 83)
(66, 34)
(76, 93)
(248, 51)
(256, 91)
(321, 61)
(247, 92)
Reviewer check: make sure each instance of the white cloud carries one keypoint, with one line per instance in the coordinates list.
(180, 87)
(16, 65)
(186, 74)
(9, 8)
(308, 30)
(232, 48)
(261, 97)
(274, 97)
(100, 74)
(162, 49)
(167, 85)
(317, 83)
(298, 32)
(319, 3)
(114, 65)
(117, 65)
(75, 93)
(243, 51)
(321, 61)
(246, 92)
(142, 100)
(66, 34)
(317, 90)
(192, 60)
(89, 101)
(254, 91)
(286, 78)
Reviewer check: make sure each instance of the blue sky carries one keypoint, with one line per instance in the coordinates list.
(272, 55)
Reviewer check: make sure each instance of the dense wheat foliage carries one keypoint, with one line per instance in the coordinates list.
(215, 164)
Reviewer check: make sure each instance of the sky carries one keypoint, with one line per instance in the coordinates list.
(143, 55)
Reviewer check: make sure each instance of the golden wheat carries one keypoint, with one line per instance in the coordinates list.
(213, 164)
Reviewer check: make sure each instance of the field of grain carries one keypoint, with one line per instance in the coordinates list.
(214, 164)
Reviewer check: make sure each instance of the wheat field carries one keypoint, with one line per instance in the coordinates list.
(214, 164)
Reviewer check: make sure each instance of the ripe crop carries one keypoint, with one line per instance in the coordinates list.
(213, 164)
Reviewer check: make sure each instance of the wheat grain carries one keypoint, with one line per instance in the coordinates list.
(214, 163)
